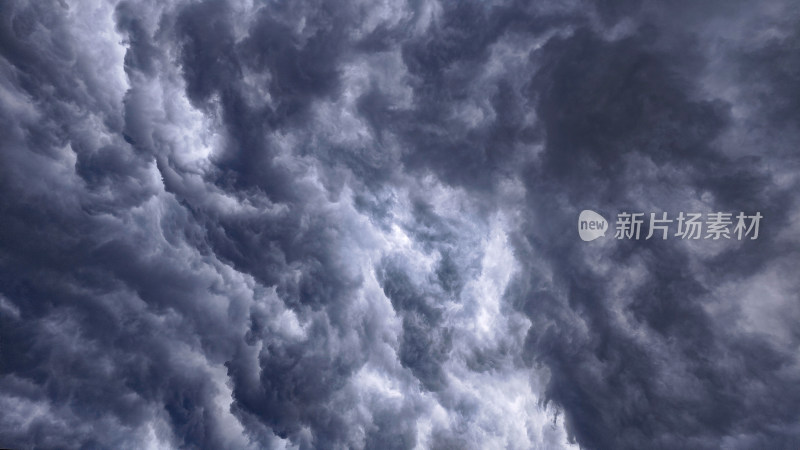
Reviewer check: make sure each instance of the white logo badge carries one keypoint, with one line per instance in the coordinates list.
(591, 225)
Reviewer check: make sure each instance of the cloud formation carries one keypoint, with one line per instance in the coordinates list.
(326, 224)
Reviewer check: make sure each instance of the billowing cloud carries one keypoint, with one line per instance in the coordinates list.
(324, 224)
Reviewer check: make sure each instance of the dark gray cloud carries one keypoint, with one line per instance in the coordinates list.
(325, 224)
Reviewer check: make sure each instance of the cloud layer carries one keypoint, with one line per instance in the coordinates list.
(327, 224)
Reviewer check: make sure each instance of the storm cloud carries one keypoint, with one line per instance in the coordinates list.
(346, 224)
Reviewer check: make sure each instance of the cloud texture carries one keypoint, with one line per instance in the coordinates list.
(350, 224)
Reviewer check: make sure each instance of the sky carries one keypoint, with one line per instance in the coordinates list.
(317, 224)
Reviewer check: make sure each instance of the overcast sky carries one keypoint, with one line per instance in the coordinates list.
(353, 224)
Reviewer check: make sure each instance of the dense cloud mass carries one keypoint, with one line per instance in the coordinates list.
(351, 224)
